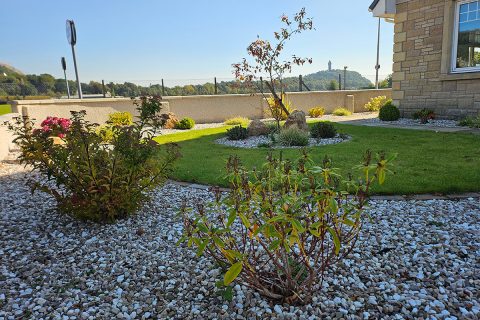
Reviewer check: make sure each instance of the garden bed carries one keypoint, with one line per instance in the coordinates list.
(415, 259)
(415, 123)
(265, 141)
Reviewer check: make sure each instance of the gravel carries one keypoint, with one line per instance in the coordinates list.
(416, 259)
(253, 142)
(413, 122)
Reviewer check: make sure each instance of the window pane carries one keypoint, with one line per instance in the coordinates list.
(464, 8)
(472, 15)
(468, 49)
(473, 6)
(464, 17)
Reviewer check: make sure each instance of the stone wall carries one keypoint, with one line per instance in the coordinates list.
(422, 55)
(202, 109)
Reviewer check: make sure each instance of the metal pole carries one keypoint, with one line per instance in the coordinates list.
(344, 78)
(261, 84)
(339, 81)
(377, 66)
(66, 81)
(300, 87)
(79, 86)
(215, 80)
(103, 88)
(163, 88)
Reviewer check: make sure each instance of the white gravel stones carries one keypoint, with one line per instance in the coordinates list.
(412, 122)
(54, 267)
(254, 142)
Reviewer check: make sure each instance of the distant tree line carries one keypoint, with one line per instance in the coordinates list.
(15, 84)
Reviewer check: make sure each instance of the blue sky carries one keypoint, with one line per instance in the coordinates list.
(146, 40)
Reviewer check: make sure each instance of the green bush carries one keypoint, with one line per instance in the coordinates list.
(316, 112)
(424, 115)
(237, 121)
(376, 103)
(185, 124)
(389, 112)
(120, 119)
(237, 133)
(341, 111)
(293, 137)
(323, 130)
(472, 122)
(297, 212)
(90, 180)
(272, 127)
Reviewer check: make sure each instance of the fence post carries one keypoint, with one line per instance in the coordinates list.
(163, 88)
(300, 83)
(103, 88)
(215, 82)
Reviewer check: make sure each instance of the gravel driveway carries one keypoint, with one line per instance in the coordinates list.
(417, 259)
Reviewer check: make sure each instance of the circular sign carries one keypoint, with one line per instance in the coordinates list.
(71, 32)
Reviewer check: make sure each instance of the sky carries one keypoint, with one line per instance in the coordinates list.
(183, 41)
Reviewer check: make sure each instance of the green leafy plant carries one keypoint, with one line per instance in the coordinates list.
(283, 226)
(185, 124)
(237, 133)
(424, 115)
(264, 145)
(92, 180)
(316, 112)
(375, 103)
(341, 111)
(292, 137)
(237, 121)
(105, 132)
(472, 122)
(272, 127)
(120, 119)
(323, 130)
(389, 112)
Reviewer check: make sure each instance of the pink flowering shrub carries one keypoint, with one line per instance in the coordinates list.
(54, 127)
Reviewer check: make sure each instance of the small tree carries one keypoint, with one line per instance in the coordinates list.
(267, 58)
(333, 85)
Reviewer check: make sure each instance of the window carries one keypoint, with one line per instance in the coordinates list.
(466, 38)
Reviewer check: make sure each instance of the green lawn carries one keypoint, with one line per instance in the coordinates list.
(5, 108)
(427, 162)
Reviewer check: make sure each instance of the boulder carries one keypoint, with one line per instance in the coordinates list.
(257, 128)
(170, 120)
(297, 118)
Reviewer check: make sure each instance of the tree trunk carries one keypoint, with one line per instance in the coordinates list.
(277, 98)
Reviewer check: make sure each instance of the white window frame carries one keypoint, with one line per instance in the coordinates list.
(454, 68)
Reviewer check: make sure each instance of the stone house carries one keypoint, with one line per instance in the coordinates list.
(436, 59)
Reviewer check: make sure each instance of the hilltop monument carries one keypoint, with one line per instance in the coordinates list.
(329, 65)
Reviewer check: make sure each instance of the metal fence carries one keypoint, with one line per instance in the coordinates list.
(172, 87)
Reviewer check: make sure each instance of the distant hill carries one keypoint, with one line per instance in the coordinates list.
(9, 70)
(322, 80)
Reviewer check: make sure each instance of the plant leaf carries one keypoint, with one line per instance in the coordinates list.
(232, 273)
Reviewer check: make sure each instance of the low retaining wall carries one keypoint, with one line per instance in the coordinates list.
(6, 137)
(208, 108)
(97, 109)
